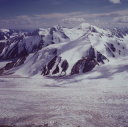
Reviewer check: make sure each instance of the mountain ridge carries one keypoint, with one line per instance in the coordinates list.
(61, 51)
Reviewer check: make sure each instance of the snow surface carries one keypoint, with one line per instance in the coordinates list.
(95, 99)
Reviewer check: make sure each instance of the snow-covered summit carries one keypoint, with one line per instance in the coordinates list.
(4, 30)
(83, 25)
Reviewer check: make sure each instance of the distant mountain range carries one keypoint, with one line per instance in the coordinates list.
(59, 51)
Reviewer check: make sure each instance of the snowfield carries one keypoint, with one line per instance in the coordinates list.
(64, 77)
(96, 99)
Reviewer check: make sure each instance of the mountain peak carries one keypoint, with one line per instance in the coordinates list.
(84, 25)
(57, 26)
(5, 30)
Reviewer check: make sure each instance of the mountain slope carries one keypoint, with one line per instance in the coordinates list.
(61, 51)
(23, 44)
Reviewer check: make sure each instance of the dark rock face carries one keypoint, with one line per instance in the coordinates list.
(100, 58)
(111, 46)
(18, 49)
(59, 30)
(64, 66)
(12, 64)
(56, 70)
(120, 33)
(9, 66)
(49, 66)
(55, 66)
(11, 53)
(2, 46)
(59, 66)
(115, 48)
(2, 37)
(93, 30)
(87, 63)
(110, 52)
(20, 61)
(83, 66)
(95, 55)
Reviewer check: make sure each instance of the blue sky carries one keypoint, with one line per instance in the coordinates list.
(45, 13)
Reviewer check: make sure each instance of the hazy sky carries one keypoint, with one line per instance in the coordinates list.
(45, 13)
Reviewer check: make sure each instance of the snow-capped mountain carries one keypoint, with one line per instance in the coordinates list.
(5, 33)
(62, 51)
(23, 44)
(9, 40)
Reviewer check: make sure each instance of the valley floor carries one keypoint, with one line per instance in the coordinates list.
(95, 99)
